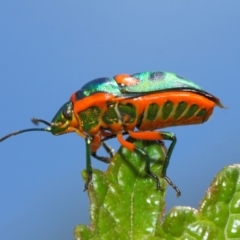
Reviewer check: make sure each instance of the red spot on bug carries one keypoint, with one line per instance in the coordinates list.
(126, 80)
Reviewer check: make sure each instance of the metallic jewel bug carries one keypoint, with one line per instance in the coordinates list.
(136, 105)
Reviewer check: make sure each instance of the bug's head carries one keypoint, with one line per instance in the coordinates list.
(63, 122)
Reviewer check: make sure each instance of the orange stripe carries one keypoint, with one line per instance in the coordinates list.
(124, 143)
(146, 135)
(175, 97)
(97, 99)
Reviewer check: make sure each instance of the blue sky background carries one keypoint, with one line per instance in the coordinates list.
(49, 49)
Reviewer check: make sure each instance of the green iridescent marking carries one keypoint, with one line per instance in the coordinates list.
(192, 109)
(128, 110)
(202, 113)
(159, 81)
(152, 111)
(180, 109)
(89, 118)
(167, 109)
(110, 116)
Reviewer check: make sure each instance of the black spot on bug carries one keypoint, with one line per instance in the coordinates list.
(156, 76)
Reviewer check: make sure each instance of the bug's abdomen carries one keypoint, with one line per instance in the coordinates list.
(171, 109)
(147, 112)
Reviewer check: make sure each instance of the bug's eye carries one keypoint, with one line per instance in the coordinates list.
(67, 113)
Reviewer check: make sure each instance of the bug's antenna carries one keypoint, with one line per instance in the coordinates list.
(35, 121)
(24, 130)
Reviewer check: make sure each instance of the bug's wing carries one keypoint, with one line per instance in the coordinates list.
(156, 82)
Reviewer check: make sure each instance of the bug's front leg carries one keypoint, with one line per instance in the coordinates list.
(88, 141)
(95, 145)
(92, 145)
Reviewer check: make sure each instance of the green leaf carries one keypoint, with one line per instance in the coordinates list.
(218, 216)
(126, 205)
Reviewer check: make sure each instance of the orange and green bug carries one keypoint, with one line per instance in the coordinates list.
(136, 105)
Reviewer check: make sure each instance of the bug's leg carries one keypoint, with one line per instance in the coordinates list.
(147, 167)
(132, 147)
(107, 135)
(92, 145)
(95, 144)
(88, 141)
(151, 135)
(108, 149)
(173, 139)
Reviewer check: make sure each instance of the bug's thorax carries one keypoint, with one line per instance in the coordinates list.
(115, 115)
